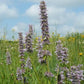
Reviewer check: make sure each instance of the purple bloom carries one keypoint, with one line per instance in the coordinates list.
(28, 42)
(44, 23)
(49, 74)
(75, 75)
(42, 53)
(8, 58)
(21, 47)
(28, 63)
(61, 53)
(19, 74)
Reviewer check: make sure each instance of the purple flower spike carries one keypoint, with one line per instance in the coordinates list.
(44, 23)
(61, 53)
(8, 58)
(42, 54)
(28, 42)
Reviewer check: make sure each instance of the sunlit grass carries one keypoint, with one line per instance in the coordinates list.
(74, 43)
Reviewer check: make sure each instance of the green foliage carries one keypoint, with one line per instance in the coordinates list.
(74, 43)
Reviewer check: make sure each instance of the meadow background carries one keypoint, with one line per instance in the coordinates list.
(66, 22)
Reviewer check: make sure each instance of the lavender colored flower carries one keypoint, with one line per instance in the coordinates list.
(42, 53)
(21, 50)
(49, 74)
(61, 53)
(39, 45)
(28, 42)
(44, 23)
(62, 76)
(21, 47)
(19, 74)
(62, 56)
(46, 53)
(28, 63)
(75, 75)
(8, 58)
(40, 50)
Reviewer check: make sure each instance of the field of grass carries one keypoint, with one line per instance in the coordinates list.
(36, 75)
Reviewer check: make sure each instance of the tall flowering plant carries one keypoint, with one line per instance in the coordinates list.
(21, 51)
(44, 23)
(28, 40)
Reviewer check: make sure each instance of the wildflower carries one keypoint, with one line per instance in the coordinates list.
(81, 54)
(82, 36)
(36, 38)
(44, 23)
(75, 75)
(28, 42)
(61, 77)
(73, 39)
(24, 50)
(28, 63)
(21, 50)
(42, 53)
(21, 47)
(61, 53)
(49, 74)
(8, 58)
(69, 39)
(46, 53)
(62, 56)
(40, 50)
(19, 74)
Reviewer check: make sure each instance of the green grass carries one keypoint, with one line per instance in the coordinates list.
(36, 75)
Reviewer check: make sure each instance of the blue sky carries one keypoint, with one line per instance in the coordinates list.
(64, 16)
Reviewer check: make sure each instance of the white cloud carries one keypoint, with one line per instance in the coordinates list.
(79, 20)
(56, 15)
(65, 29)
(66, 21)
(20, 27)
(6, 12)
(60, 3)
(33, 12)
(5, 2)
